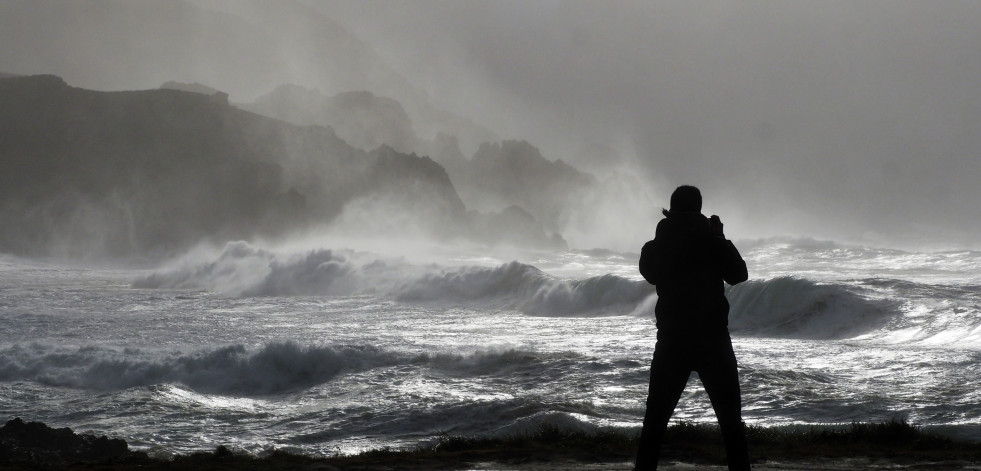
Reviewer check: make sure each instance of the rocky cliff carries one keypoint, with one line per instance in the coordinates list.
(152, 172)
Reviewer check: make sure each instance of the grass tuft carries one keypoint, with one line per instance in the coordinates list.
(699, 443)
(894, 441)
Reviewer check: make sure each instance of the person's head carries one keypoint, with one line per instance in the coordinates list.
(686, 199)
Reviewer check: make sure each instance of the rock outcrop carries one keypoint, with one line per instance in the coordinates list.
(153, 172)
(35, 442)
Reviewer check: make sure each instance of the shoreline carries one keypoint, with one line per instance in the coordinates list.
(892, 445)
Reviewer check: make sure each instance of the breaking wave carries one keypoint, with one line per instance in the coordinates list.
(275, 368)
(799, 308)
(527, 289)
(785, 307)
(243, 270)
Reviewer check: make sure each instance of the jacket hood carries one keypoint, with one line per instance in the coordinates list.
(684, 222)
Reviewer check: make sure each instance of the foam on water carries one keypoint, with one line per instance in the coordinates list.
(242, 270)
(826, 260)
(326, 350)
(275, 368)
(827, 307)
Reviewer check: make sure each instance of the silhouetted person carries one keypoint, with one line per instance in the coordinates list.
(688, 260)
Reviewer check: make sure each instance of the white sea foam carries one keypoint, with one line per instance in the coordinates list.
(783, 307)
(826, 260)
(527, 289)
(244, 270)
(241, 269)
(423, 348)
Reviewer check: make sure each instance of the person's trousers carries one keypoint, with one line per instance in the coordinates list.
(715, 363)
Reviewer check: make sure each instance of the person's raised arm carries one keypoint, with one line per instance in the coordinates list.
(733, 266)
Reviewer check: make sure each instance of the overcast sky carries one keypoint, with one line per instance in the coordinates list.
(851, 120)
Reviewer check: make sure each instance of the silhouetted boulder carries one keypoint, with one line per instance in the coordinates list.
(37, 443)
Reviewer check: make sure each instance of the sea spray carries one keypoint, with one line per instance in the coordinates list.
(527, 289)
(242, 270)
(178, 364)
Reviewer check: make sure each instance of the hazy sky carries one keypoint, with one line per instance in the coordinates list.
(858, 120)
(852, 120)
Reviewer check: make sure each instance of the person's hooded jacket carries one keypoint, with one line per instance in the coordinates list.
(688, 261)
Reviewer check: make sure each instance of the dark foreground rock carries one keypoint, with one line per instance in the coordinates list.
(37, 443)
(887, 446)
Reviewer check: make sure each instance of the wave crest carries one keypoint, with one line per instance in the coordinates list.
(243, 270)
(799, 308)
(527, 289)
(275, 368)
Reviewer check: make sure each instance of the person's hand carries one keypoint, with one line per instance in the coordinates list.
(715, 225)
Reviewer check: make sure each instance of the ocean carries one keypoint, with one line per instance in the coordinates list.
(324, 350)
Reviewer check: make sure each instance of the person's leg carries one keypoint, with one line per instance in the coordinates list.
(721, 380)
(669, 374)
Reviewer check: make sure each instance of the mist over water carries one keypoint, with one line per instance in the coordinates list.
(840, 121)
(329, 226)
(834, 120)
